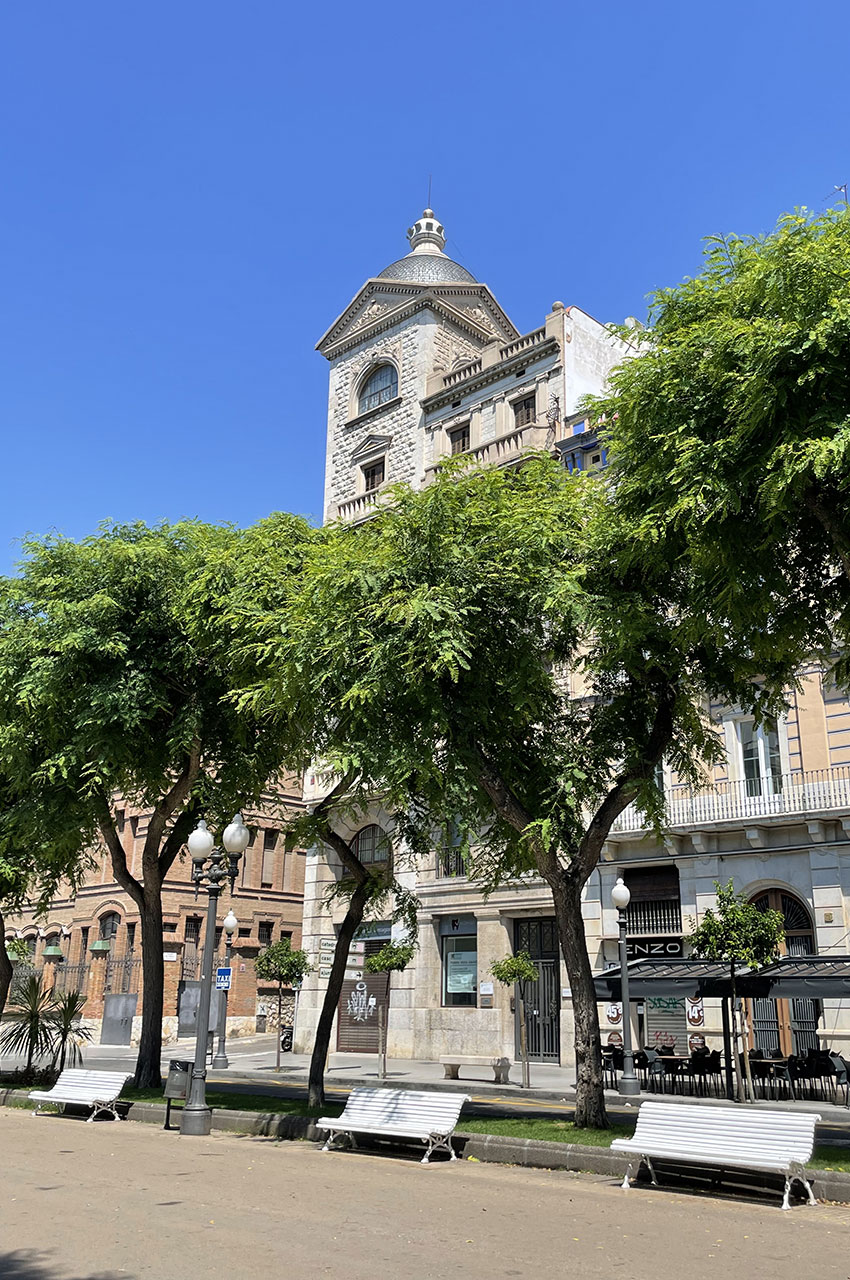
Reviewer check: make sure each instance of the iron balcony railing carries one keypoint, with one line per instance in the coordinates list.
(798, 794)
(450, 863)
(647, 918)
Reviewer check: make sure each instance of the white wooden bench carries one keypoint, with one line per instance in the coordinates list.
(452, 1062)
(421, 1116)
(96, 1089)
(726, 1138)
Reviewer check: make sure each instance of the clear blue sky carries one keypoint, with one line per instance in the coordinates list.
(191, 192)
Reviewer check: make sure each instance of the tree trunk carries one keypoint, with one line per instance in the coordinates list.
(321, 1044)
(148, 1074)
(590, 1099)
(279, 1026)
(523, 1037)
(6, 970)
(736, 1055)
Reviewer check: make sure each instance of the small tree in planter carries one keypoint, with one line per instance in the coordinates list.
(392, 958)
(737, 933)
(518, 971)
(286, 966)
(69, 1033)
(28, 1025)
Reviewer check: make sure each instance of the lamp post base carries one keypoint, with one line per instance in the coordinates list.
(196, 1121)
(220, 1062)
(629, 1087)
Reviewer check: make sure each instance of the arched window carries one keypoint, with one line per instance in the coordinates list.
(787, 1026)
(371, 845)
(379, 387)
(108, 926)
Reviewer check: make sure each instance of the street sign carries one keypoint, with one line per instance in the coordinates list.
(222, 979)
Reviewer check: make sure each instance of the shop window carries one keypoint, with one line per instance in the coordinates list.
(459, 941)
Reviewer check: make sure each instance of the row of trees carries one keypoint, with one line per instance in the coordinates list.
(509, 653)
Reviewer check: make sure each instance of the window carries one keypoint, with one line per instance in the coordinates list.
(108, 926)
(370, 845)
(760, 757)
(244, 931)
(131, 938)
(269, 842)
(84, 942)
(286, 935)
(264, 932)
(460, 969)
(373, 476)
(193, 931)
(32, 944)
(459, 439)
(524, 411)
(379, 387)
(218, 933)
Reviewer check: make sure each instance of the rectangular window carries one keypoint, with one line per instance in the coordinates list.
(193, 930)
(131, 938)
(218, 933)
(373, 476)
(264, 932)
(760, 757)
(244, 931)
(84, 942)
(460, 970)
(246, 867)
(524, 411)
(286, 935)
(269, 842)
(459, 439)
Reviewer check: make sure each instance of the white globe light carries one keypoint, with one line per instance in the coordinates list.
(236, 835)
(201, 841)
(620, 895)
(230, 922)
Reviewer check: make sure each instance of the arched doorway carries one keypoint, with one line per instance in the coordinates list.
(787, 1026)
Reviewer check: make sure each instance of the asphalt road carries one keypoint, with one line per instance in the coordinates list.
(109, 1201)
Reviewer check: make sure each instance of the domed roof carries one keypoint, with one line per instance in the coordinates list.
(426, 263)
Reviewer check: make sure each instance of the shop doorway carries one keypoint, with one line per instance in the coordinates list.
(543, 1005)
(785, 1027)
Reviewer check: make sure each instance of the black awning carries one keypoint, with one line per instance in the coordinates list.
(807, 977)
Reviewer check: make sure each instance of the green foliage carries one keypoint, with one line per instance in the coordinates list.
(17, 950)
(736, 932)
(392, 958)
(730, 436)
(68, 1033)
(519, 968)
(283, 964)
(28, 1027)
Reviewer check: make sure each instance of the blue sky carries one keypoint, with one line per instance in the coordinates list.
(193, 191)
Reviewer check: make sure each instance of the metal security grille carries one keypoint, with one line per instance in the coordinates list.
(357, 1012)
(543, 1006)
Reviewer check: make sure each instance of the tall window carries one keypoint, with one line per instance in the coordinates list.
(264, 933)
(371, 845)
(379, 387)
(193, 931)
(459, 439)
(373, 476)
(761, 760)
(459, 938)
(524, 411)
(108, 926)
(269, 843)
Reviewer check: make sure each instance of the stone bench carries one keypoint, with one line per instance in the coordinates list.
(452, 1062)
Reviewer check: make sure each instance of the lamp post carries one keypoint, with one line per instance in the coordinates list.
(220, 1062)
(209, 870)
(629, 1085)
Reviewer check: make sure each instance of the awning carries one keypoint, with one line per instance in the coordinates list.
(806, 977)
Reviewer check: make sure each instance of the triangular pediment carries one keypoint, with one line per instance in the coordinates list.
(372, 444)
(380, 304)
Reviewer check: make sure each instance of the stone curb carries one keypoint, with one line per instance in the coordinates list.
(488, 1148)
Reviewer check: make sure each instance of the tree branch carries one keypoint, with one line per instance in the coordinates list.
(169, 804)
(835, 528)
(514, 813)
(118, 857)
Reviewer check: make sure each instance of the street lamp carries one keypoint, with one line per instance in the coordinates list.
(629, 1085)
(220, 1062)
(209, 870)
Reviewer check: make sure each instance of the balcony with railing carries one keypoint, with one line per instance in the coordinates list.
(450, 864)
(801, 794)
(653, 917)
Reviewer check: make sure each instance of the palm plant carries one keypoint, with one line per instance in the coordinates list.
(69, 1035)
(30, 1029)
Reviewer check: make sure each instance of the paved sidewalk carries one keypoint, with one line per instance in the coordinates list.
(126, 1202)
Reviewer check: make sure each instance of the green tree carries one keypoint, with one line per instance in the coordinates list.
(730, 433)
(117, 663)
(518, 970)
(737, 933)
(28, 1027)
(393, 957)
(430, 654)
(287, 966)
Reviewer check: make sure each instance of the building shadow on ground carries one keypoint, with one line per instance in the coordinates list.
(35, 1264)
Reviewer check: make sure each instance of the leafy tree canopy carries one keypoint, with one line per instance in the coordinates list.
(730, 432)
(282, 963)
(515, 968)
(393, 957)
(737, 932)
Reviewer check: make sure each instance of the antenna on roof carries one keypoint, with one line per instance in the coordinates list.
(428, 206)
(842, 187)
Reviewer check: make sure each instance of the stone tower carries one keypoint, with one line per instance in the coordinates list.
(421, 315)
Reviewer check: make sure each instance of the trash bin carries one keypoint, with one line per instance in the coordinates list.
(179, 1074)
